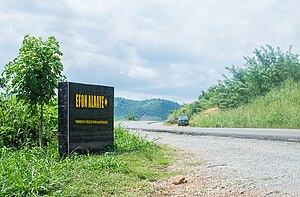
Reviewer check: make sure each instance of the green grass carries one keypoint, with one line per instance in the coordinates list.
(195, 163)
(126, 171)
(278, 109)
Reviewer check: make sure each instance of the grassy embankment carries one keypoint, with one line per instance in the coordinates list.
(126, 171)
(278, 109)
(262, 93)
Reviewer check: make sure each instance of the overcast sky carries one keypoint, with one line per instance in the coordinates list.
(171, 49)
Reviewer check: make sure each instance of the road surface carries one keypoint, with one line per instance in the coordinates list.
(265, 159)
(291, 135)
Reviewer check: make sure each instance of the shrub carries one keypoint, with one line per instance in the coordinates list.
(266, 70)
(18, 126)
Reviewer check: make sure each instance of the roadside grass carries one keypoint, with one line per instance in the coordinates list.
(169, 124)
(125, 171)
(195, 163)
(278, 109)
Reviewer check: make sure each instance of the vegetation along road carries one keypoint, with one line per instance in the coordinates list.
(266, 167)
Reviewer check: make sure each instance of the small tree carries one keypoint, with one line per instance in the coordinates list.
(34, 74)
(131, 117)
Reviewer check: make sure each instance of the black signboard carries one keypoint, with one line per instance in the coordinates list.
(85, 118)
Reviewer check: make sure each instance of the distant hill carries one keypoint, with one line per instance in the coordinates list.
(153, 109)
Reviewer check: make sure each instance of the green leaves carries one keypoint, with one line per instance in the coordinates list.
(18, 126)
(34, 74)
(268, 69)
(2, 83)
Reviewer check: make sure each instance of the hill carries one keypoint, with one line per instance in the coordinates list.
(153, 109)
(278, 109)
(267, 71)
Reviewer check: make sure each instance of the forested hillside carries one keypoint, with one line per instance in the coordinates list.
(153, 109)
(267, 70)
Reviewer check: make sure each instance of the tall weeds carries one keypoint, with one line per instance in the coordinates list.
(37, 172)
(278, 109)
(18, 127)
(266, 70)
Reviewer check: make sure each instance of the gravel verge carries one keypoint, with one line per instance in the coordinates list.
(224, 166)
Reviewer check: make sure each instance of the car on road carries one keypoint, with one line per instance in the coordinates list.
(183, 121)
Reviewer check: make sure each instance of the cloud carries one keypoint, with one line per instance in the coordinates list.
(167, 48)
(142, 73)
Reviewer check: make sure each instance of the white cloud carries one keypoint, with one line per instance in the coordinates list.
(169, 48)
(142, 73)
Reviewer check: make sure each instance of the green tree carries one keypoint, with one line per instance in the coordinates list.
(131, 117)
(1, 83)
(267, 69)
(34, 74)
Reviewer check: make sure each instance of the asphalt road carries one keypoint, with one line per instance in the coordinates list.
(267, 159)
(291, 135)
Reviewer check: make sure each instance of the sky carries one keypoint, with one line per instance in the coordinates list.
(169, 49)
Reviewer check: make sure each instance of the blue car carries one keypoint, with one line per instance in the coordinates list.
(183, 121)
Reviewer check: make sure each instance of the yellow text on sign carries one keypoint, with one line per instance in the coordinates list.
(91, 121)
(91, 101)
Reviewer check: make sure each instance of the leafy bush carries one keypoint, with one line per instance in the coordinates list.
(37, 172)
(278, 109)
(268, 69)
(34, 74)
(186, 110)
(18, 127)
(131, 117)
(30, 171)
(124, 140)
